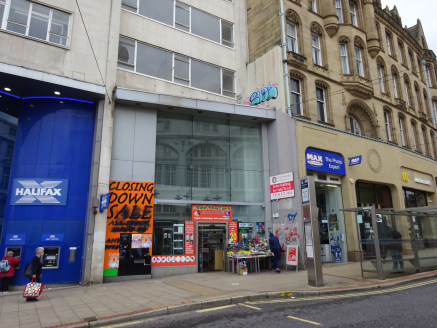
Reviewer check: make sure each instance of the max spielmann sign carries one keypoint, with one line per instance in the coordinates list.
(39, 192)
(324, 161)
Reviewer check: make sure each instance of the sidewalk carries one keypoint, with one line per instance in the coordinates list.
(104, 304)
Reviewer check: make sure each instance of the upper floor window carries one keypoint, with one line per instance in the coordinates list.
(428, 76)
(402, 131)
(317, 51)
(418, 98)
(314, 6)
(389, 44)
(394, 78)
(401, 52)
(359, 61)
(292, 41)
(433, 143)
(387, 122)
(153, 61)
(381, 80)
(184, 17)
(296, 96)
(321, 104)
(339, 10)
(354, 125)
(344, 58)
(35, 20)
(412, 63)
(416, 144)
(353, 13)
(408, 91)
(425, 141)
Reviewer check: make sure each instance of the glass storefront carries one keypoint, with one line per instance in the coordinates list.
(206, 160)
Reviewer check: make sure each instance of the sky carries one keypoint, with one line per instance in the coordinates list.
(410, 11)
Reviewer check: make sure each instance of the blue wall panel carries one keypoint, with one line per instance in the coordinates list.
(54, 141)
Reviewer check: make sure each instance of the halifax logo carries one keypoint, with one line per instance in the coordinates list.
(39, 192)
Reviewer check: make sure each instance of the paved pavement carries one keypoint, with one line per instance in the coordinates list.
(109, 303)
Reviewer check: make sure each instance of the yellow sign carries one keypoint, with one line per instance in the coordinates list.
(404, 176)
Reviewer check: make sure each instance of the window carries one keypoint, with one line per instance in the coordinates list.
(387, 125)
(433, 143)
(413, 65)
(425, 97)
(146, 59)
(408, 92)
(292, 41)
(339, 10)
(314, 5)
(35, 20)
(321, 104)
(359, 61)
(425, 141)
(389, 44)
(353, 13)
(419, 68)
(184, 17)
(344, 58)
(402, 131)
(418, 99)
(394, 78)
(428, 76)
(415, 145)
(381, 78)
(401, 52)
(354, 126)
(317, 53)
(434, 108)
(296, 96)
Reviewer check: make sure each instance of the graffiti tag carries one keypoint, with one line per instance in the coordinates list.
(292, 217)
(263, 95)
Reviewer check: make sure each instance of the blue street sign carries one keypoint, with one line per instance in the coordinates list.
(104, 202)
(355, 160)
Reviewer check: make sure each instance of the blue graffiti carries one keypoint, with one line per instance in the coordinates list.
(265, 94)
(292, 217)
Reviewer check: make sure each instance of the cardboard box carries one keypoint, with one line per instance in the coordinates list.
(242, 271)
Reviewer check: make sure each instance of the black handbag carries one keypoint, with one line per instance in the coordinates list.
(28, 271)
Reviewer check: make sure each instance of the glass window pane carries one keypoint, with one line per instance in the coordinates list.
(2, 10)
(205, 76)
(182, 19)
(126, 53)
(39, 22)
(161, 10)
(205, 25)
(228, 83)
(227, 34)
(153, 61)
(59, 28)
(130, 5)
(182, 69)
(18, 13)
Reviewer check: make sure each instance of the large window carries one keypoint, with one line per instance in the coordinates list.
(344, 58)
(353, 13)
(387, 123)
(381, 78)
(296, 96)
(184, 17)
(292, 40)
(339, 10)
(389, 42)
(416, 144)
(359, 61)
(35, 20)
(146, 59)
(373, 194)
(321, 104)
(208, 160)
(317, 51)
(402, 131)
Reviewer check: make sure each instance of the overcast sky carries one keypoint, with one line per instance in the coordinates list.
(410, 11)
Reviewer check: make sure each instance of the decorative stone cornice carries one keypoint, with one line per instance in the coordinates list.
(331, 29)
(358, 86)
(373, 51)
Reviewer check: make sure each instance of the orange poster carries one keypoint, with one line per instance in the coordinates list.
(130, 211)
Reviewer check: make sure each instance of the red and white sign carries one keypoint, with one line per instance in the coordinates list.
(282, 186)
(189, 238)
(292, 254)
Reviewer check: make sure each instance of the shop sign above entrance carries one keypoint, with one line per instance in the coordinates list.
(39, 192)
(211, 212)
(324, 161)
(282, 186)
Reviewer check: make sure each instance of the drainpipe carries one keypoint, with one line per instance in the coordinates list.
(429, 94)
(284, 52)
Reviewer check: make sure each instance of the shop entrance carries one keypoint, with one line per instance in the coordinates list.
(211, 246)
(331, 221)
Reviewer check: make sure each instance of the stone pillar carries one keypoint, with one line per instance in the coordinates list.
(373, 45)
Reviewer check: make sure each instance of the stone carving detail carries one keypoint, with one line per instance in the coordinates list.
(374, 160)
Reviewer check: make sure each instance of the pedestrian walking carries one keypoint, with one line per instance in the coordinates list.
(7, 276)
(396, 250)
(276, 249)
(36, 269)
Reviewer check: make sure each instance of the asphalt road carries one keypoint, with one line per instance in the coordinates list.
(409, 306)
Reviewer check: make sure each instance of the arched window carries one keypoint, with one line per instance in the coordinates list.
(344, 55)
(416, 144)
(293, 32)
(418, 98)
(382, 74)
(433, 143)
(425, 98)
(359, 57)
(395, 83)
(297, 89)
(425, 141)
(323, 112)
(354, 126)
(388, 125)
(339, 10)
(361, 119)
(317, 43)
(403, 131)
(353, 10)
(407, 85)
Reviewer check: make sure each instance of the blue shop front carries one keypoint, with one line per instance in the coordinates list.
(46, 146)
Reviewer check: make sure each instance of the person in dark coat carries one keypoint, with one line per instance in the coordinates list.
(6, 277)
(276, 249)
(396, 250)
(36, 267)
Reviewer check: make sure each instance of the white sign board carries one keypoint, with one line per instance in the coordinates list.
(282, 186)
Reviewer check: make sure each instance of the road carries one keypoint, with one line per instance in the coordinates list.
(406, 306)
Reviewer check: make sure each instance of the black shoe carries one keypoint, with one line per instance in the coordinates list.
(31, 300)
(278, 271)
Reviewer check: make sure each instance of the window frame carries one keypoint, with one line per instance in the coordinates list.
(339, 10)
(294, 39)
(355, 126)
(321, 104)
(353, 10)
(359, 61)
(389, 43)
(344, 58)
(387, 122)
(404, 140)
(297, 94)
(316, 49)
(381, 78)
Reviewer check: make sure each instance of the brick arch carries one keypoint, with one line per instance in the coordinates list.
(365, 116)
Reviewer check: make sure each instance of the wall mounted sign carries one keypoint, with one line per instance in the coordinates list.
(422, 181)
(282, 186)
(104, 202)
(15, 239)
(39, 192)
(324, 161)
(405, 176)
(355, 160)
(52, 237)
(305, 191)
(211, 212)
